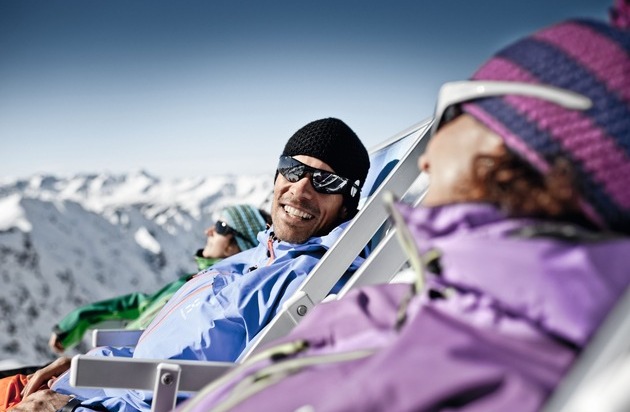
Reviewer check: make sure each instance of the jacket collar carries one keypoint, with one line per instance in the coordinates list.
(431, 222)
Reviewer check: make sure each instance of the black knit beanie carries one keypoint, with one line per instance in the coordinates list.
(334, 143)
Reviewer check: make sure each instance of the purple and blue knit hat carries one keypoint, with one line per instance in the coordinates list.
(590, 58)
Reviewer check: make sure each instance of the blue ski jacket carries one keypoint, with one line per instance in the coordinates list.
(218, 312)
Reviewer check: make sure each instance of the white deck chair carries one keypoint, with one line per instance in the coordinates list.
(167, 377)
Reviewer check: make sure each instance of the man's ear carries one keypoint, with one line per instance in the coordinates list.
(344, 213)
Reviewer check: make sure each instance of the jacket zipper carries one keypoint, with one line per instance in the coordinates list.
(270, 252)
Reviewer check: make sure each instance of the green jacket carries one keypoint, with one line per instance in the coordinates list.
(138, 308)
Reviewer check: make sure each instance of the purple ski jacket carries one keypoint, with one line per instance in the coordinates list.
(509, 304)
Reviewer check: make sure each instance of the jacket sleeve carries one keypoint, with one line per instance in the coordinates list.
(152, 305)
(71, 328)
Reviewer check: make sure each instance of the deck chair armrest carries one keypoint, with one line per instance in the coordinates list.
(115, 337)
(141, 374)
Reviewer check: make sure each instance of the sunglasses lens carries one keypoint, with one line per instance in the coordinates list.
(450, 114)
(291, 169)
(293, 174)
(328, 182)
(222, 228)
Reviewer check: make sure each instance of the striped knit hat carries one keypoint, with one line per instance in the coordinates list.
(248, 221)
(592, 59)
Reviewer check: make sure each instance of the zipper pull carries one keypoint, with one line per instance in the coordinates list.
(270, 253)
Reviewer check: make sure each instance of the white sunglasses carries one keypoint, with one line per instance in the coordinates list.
(462, 91)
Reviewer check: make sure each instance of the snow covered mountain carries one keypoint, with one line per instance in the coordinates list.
(65, 242)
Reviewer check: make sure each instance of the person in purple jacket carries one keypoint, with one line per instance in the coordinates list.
(522, 239)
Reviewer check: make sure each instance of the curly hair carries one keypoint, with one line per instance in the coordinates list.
(520, 190)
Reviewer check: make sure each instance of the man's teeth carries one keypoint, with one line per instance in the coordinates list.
(297, 213)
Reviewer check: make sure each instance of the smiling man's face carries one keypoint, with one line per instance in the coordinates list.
(299, 212)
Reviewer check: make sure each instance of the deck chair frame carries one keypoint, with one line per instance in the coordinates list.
(167, 377)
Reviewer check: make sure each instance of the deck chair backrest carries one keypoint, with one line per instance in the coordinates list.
(394, 169)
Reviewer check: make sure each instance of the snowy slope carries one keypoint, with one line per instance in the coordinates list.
(67, 241)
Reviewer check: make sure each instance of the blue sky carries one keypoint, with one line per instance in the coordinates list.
(195, 88)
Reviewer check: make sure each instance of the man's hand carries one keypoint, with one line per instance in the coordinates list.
(44, 377)
(55, 344)
(42, 401)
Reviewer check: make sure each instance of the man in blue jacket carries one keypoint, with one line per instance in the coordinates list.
(317, 188)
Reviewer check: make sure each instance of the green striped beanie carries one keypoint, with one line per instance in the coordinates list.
(247, 221)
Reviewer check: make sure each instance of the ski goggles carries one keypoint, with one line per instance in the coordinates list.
(322, 181)
(224, 229)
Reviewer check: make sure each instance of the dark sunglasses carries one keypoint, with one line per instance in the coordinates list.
(322, 181)
(224, 229)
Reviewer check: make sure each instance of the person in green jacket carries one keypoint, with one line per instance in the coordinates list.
(234, 231)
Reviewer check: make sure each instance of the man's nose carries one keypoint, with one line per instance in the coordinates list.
(210, 231)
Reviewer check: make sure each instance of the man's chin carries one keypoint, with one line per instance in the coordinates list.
(292, 234)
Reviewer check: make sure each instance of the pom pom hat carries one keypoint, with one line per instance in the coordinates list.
(592, 59)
